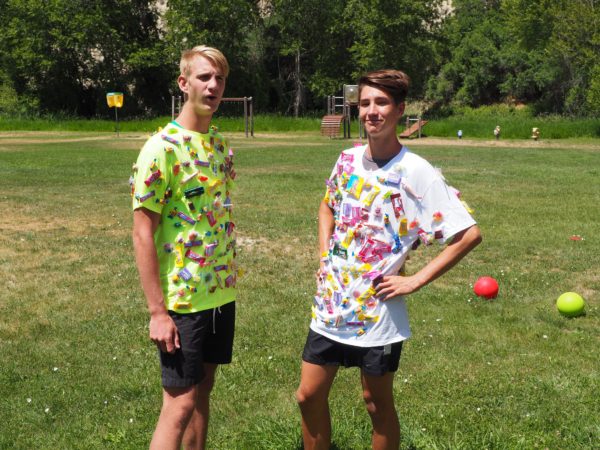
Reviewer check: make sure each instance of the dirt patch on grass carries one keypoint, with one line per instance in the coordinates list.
(293, 248)
(34, 137)
(271, 139)
(521, 143)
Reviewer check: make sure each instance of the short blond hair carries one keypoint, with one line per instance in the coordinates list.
(212, 54)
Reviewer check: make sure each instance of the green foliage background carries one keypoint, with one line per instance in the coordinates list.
(62, 56)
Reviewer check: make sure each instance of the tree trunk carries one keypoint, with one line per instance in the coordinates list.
(298, 87)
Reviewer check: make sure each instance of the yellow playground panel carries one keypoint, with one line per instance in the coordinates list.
(114, 99)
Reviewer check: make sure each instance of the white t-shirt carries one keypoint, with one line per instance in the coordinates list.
(379, 216)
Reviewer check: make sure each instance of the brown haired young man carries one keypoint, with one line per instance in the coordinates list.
(381, 201)
(184, 249)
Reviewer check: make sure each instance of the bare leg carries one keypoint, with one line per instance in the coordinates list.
(178, 406)
(195, 434)
(312, 394)
(379, 397)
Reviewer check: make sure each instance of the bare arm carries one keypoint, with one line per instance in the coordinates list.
(163, 331)
(463, 243)
(326, 227)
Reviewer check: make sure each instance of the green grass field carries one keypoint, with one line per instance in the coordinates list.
(475, 124)
(77, 370)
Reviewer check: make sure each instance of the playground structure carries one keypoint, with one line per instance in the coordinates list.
(417, 127)
(248, 110)
(333, 120)
(115, 100)
(338, 116)
(174, 100)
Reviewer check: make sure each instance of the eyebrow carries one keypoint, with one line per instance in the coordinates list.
(379, 97)
(210, 72)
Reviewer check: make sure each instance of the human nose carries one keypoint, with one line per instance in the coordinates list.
(213, 83)
(371, 109)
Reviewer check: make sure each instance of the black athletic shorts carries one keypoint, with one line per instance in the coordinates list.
(205, 337)
(375, 361)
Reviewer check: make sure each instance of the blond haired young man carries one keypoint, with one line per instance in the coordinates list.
(381, 201)
(184, 249)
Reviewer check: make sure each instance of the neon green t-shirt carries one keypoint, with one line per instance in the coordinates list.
(187, 177)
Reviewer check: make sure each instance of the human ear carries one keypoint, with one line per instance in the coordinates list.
(401, 107)
(182, 81)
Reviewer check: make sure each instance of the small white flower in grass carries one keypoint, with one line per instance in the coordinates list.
(270, 358)
(105, 402)
(47, 410)
(131, 420)
(438, 320)
(545, 337)
(478, 409)
(114, 358)
(423, 429)
(406, 380)
(55, 369)
(28, 400)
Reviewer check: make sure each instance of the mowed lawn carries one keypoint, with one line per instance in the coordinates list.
(77, 370)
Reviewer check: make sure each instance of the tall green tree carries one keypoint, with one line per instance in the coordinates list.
(544, 52)
(308, 51)
(321, 45)
(226, 25)
(65, 54)
(574, 47)
(473, 69)
(399, 34)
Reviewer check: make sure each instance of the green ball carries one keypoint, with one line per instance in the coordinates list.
(570, 304)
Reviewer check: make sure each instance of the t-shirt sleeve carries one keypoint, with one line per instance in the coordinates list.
(150, 178)
(331, 185)
(442, 214)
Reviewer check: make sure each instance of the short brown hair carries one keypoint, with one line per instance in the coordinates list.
(212, 54)
(393, 82)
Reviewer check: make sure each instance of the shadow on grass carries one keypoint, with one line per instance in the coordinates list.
(334, 446)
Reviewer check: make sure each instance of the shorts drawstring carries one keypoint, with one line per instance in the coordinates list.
(214, 317)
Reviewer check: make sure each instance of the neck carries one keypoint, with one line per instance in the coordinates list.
(384, 147)
(189, 120)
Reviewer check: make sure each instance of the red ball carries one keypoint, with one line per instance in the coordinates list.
(486, 287)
